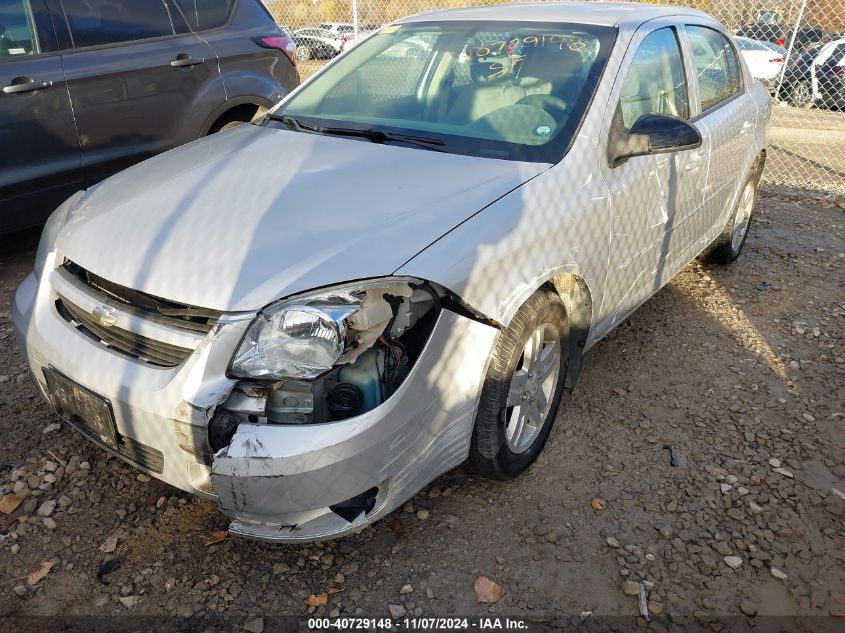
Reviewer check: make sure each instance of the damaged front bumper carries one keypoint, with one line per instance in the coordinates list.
(283, 483)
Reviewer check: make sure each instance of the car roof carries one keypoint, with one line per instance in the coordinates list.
(598, 13)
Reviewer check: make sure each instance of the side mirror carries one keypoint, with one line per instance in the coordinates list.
(651, 134)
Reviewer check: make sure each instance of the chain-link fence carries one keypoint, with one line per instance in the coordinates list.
(796, 47)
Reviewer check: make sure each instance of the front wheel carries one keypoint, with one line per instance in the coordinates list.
(522, 389)
(304, 53)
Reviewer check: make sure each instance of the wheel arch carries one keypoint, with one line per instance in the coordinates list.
(236, 104)
(577, 298)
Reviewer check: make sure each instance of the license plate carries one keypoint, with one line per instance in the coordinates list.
(90, 413)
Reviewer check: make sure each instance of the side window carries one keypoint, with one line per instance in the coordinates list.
(715, 65)
(656, 82)
(99, 22)
(17, 30)
(203, 15)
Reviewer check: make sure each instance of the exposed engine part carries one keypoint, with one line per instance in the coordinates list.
(292, 401)
(344, 401)
(387, 333)
(373, 316)
(366, 374)
(221, 429)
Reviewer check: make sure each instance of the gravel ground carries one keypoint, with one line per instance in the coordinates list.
(740, 370)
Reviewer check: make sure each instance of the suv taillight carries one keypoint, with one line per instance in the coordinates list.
(279, 42)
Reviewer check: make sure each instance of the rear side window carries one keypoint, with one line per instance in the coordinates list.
(656, 82)
(203, 15)
(17, 30)
(715, 64)
(100, 22)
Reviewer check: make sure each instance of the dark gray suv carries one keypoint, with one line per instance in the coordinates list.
(90, 87)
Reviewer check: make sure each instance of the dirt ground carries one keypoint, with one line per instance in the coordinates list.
(740, 370)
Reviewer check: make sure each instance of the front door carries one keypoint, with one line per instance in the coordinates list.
(654, 199)
(40, 161)
(134, 84)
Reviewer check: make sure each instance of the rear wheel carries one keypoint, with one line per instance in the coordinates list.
(522, 389)
(235, 117)
(304, 53)
(727, 247)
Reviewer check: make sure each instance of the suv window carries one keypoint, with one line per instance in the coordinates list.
(99, 22)
(656, 82)
(715, 65)
(16, 29)
(205, 14)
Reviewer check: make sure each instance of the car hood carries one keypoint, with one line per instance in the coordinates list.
(242, 218)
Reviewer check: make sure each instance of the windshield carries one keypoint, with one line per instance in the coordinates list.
(515, 91)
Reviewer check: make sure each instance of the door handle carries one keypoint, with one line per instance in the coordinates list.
(25, 84)
(694, 162)
(183, 60)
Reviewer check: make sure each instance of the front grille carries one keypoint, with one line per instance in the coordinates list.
(141, 455)
(171, 330)
(171, 313)
(129, 343)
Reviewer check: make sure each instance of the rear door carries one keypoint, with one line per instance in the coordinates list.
(726, 115)
(40, 161)
(137, 87)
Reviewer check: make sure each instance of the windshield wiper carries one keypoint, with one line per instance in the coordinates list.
(377, 136)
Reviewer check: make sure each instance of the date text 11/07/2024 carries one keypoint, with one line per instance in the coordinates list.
(415, 624)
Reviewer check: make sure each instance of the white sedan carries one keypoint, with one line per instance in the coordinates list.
(215, 317)
(764, 62)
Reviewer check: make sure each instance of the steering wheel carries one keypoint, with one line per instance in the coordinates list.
(541, 101)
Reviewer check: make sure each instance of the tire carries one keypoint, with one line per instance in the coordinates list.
(233, 118)
(304, 53)
(514, 396)
(727, 247)
(229, 125)
(801, 95)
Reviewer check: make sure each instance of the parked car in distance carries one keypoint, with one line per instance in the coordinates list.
(339, 28)
(781, 34)
(316, 43)
(764, 63)
(214, 316)
(88, 89)
(816, 77)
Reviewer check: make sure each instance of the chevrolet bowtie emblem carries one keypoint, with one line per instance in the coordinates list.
(105, 315)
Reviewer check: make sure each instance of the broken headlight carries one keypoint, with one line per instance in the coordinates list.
(306, 336)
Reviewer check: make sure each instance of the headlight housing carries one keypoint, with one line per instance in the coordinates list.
(54, 225)
(306, 336)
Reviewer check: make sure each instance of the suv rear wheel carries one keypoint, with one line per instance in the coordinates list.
(234, 117)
